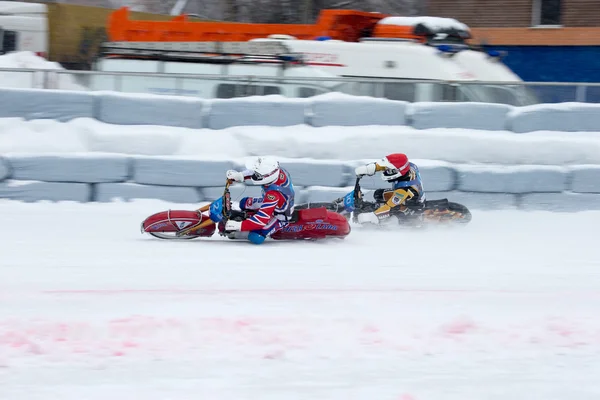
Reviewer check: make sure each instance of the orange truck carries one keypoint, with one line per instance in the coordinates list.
(344, 25)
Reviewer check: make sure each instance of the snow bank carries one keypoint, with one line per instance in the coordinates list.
(39, 80)
(450, 145)
(326, 143)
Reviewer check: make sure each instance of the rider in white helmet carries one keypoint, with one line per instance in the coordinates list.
(275, 206)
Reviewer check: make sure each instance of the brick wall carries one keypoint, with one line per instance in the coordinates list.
(512, 13)
(483, 13)
(508, 22)
(581, 13)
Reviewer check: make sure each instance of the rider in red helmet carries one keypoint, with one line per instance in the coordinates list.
(405, 198)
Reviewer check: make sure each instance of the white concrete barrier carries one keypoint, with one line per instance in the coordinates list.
(84, 168)
(483, 116)
(179, 172)
(129, 109)
(511, 179)
(107, 192)
(60, 105)
(32, 191)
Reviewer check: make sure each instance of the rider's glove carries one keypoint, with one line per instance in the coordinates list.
(368, 169)
(233, 225)
(235, 176)
(367, 218)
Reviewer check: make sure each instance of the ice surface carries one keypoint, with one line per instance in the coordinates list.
(91, 309)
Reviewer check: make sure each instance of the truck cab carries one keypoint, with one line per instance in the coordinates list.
(23, 27)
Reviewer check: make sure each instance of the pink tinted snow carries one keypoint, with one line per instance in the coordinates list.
(277, 338)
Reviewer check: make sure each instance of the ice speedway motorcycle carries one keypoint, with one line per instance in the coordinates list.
(312, 221)
(306, 223)
(438, 212)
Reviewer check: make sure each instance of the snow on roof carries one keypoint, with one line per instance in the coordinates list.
(432, 23)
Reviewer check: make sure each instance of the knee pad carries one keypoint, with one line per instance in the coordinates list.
(256, 238)
(378, 195)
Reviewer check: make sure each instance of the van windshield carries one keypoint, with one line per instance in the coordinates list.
(514, 95)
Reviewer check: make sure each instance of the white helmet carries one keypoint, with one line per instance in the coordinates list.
(266, 170)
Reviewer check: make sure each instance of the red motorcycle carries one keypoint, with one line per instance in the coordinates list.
(304, 224)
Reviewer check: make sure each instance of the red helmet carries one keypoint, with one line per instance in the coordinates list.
(396, 166)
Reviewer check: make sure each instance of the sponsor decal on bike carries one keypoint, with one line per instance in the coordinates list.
(310, 226)
(183, 224)
(349, 202)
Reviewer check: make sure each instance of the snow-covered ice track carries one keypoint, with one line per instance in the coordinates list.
(506, 308)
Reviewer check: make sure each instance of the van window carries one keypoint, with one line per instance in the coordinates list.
(399, 91)
(307, 92)
(230, 90)
(9, 41)
(449, 93)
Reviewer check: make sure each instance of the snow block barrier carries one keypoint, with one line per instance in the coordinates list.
(560, 202)
(317, 172)
(126, 109)
(180, 172)
(511, 179)
(483, 116)
(564, 117)
(264, 111)
(477, 201)
(107, 192)
(4, 169)
(331, 110)
(59, 105)
(585, 179)
(85, 168)
(319, 193)
(31, 191)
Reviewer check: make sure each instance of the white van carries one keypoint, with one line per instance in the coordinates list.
(23, 27)
(223, 75)
(417, 48)
(409, 60)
